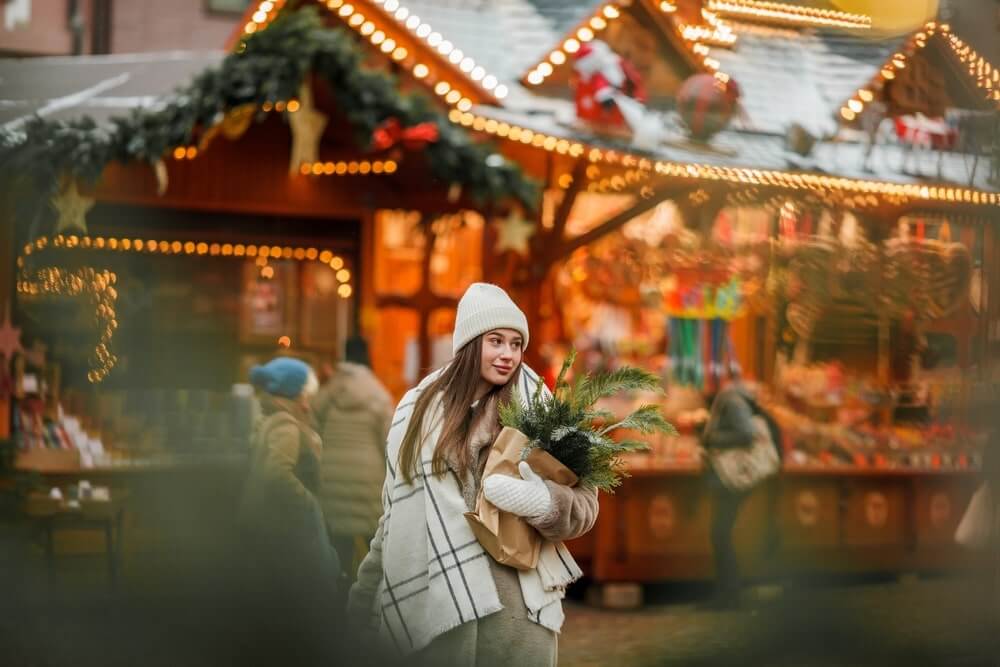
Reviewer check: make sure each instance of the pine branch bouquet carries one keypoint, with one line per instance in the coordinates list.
(566, 425)
(565, 440)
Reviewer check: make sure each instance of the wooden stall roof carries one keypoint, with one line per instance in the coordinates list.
(793, 65)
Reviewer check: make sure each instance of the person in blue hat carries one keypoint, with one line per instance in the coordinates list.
(293, 562)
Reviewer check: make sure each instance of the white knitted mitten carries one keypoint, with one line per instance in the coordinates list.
(527, 497)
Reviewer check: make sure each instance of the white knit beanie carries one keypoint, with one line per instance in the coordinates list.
(483, 308)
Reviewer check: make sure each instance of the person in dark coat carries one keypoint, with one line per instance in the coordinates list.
(731, 426)
(293, 567)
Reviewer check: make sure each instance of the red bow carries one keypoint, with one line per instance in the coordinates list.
(391, 132)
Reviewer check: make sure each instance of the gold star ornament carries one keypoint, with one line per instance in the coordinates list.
(307, 129)
(514, 234)
(72, 209)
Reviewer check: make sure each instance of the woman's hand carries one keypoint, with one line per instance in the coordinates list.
(527, 497)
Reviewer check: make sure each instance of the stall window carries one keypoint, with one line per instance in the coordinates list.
(400, 244)
(456, 261)
(394, 333)
(457, 258)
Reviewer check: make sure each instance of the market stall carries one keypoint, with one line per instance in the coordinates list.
(882, 435)
(152, 254)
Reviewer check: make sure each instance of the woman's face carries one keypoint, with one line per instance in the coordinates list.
(501, 355)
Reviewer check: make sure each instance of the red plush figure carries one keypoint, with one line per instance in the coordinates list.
(602, 79)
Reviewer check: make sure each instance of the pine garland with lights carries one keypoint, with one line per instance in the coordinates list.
(268, 68)
(566, 425)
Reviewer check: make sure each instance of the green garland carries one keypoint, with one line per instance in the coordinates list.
(269, 67)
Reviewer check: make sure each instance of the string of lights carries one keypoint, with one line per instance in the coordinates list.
(742, 175)
(376, 27)
(99, 285)
(715, 32)
(986, 76)
(351, 168)
(99, 288)
(788, 14)
(458, 79)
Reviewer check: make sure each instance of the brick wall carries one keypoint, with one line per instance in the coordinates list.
(47, 30)
(155, 25)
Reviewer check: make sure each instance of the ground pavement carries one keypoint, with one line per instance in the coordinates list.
(184, 607)
(925, 622)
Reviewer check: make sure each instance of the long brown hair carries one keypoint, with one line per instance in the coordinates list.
(457, 385)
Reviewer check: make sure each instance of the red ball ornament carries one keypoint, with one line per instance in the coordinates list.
(706, 104)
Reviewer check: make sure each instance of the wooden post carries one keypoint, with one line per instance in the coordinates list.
(366, 315)
(7, 275)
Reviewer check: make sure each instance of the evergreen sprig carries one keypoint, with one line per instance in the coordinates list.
(565, 424)
(268, 67)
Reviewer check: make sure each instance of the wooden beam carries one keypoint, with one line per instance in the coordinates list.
(569, 198)
(566, 248)
(415, 301)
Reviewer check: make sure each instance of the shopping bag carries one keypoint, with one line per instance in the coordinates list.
(510, 539)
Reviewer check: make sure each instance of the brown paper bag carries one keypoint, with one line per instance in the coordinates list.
(507, 537)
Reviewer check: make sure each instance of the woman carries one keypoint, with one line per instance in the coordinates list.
(293, 567)
(427, 584)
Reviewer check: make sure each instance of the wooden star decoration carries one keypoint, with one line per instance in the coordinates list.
(162, 179)
(10, 338)
(513, 233)
(72, 208)
(307, 129)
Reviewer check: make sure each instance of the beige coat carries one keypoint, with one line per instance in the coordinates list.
(353, 411)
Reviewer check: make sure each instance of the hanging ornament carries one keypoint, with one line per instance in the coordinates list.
(944, 234)
(160, 169)
(209, 135)
(10, 338)
(849, 231)
(237, 121)
(977, 291)
(454, 193)
(825, 228)
(392, 132)
(72, 209)
(514, 233)
(232, 125)
(307, 125)
(706, 104)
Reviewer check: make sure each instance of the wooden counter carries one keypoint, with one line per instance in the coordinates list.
(826, 521)
(178, 505)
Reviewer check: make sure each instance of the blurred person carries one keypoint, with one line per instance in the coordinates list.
(292, 566)
(353, 411)
(427, 584)
(731, 425)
